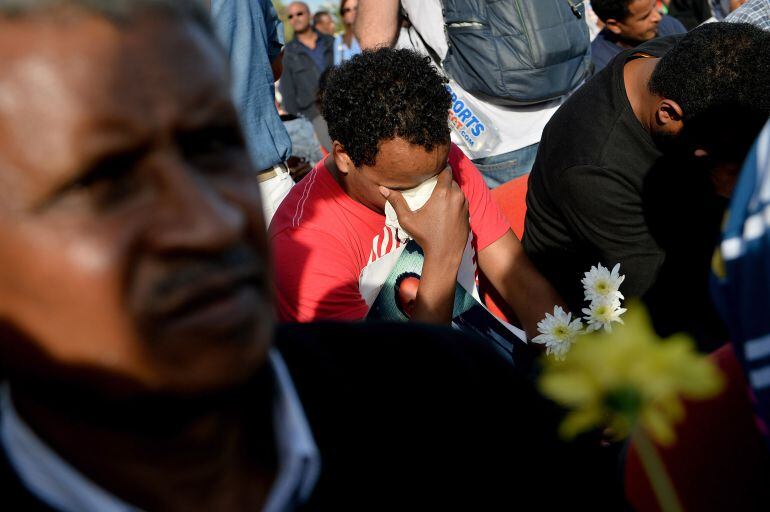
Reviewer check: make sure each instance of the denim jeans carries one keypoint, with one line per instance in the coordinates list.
(501, 168)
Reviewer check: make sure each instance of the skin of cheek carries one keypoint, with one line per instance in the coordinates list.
(71, 297)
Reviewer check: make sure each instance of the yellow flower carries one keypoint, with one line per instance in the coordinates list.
(630, 375)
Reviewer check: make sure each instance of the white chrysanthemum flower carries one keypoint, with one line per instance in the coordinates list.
(601, 313)
(558, 332)
(602, 284)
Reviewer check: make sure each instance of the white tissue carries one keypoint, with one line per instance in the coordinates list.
(416, 198)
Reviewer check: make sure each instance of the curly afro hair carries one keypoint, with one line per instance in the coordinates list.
(382, 94)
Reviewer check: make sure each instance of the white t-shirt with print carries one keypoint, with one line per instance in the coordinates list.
(516, 127)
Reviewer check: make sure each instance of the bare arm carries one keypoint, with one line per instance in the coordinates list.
(436, 295)
(513, 275)
(377, 23)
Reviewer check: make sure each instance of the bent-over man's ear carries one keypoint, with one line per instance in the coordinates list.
(669, 114)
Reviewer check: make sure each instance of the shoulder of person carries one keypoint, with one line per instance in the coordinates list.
(325, 39)
(603, 50)
(591, 173)
(657, 47)
(464, 171)
(293, 46)
(457, 156)
(670, 25)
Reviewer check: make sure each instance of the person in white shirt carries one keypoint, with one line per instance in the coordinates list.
(345, 43)
(517, 129)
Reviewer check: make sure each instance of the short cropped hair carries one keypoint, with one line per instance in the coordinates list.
(719, 74)
(611, 9)
(320, 14)
(382, 94)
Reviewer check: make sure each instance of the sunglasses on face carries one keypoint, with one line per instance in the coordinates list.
(298, 15)
(349, 9)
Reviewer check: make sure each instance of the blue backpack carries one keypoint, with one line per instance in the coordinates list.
(517, 52)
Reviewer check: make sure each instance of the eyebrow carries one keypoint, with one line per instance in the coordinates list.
(212, 103)
(109, 162)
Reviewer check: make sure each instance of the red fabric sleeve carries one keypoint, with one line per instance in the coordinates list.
(315, 279)
(487, 221)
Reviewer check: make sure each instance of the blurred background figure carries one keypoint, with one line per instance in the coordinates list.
(690, 12)
(628, 23)
(305, 148)
(345, 44)
(324, 23)
(252, 36)
(721, 8)
(694, 12)
(594, 23)
(741, 282)
(306, 57)
(756, 12)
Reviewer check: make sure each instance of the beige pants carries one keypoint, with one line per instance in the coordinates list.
(273, 192)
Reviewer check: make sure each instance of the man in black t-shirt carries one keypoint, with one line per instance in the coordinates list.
(634, 168)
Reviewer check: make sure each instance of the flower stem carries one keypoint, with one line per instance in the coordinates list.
(656, 472)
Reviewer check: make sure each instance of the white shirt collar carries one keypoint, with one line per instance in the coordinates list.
(54, 481)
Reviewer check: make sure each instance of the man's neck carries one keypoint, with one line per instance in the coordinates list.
(347, 36)
(169, 458)
(309, 38)
(636, 76)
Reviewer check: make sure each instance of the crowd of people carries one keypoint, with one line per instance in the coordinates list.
(244, 273)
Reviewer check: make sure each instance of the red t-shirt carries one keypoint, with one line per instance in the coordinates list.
(322, 240)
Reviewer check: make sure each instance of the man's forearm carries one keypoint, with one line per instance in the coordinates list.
(515, 277)
(377, 23)
(436, 293)
(530, 295)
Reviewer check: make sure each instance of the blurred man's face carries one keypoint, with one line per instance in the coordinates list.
(299, 17)
(325, 25)
(132, 240)
(349, 12)
(640, 25)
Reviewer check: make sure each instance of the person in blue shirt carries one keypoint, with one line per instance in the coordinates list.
(628, 23)
(345, 44)
(252, 36)
(306, 57)
(324, 23)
